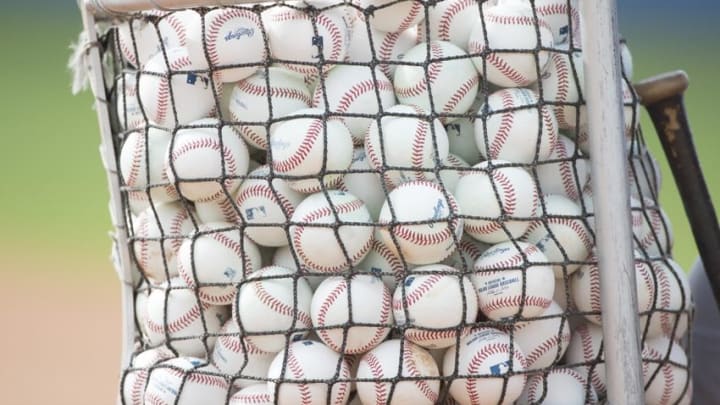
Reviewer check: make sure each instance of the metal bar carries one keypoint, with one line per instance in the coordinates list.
(95, 75)
(612, 202)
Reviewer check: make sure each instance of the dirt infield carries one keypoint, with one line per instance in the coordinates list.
(60, 339)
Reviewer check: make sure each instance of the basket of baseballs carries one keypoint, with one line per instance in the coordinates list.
(374, 202)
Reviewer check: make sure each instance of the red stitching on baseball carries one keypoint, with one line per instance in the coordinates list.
(422, 385)
(445, 22)
(421, 335)
(137, 160)
(506, 125)
(417, 292)
(327, 303)
(231, 168)
(280, 307)
(182, 322)
(418, 147)
(513, 262)
(264, 191)
(410, 17)
(252, 398)
(377, 372)
(515, 20)
(515, 301)
(353, 93)
(563, 86)
(553, 343)
(588, 355)
(233, 343)
(433, 71)
(218, 22)
(297, 373)
(176, 225)
(459, 94)
(249, 133)
(504, 68)
(566, 172)
(303, 149)
(666, 319)
(477, 360)
(384, 52)
(138, 387)
(275, 92)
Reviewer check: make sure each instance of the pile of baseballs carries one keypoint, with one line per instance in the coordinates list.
(375, 203)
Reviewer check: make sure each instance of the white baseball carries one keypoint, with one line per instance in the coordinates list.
(461, 138)
(274, 299)
(669, 384)
(562, 19)
(128, 110)
(164, 92)
(420, 222)
(138, 40)
(291, 34)
(451, 21)
(257, 394)
(364, 183)
(562, 386)
(468, 251)
(134, 380)
(185, 381)
(398, 359)
(221, 209)
(562, 82)
(674, 300)
(585, 348)
(384, 262)
(354, 90)
(627, 60)
(406, 147)
(215, 260)
(515, 128)
(544, 340)
(316, 243)
(485, 351)
(309, 360)
(330, 312)
(158, 238)
(510, 25)
(176, 317)
(487, 218)
(305, 147)
(563, 225)
(206, 152)
(567, 171)
(142, 293)
(435, 307)
(644, 173)
(251, 99)
(392, 16)
(142, 163)
(452, 171)
(654, 236)
(388, 48)
(447, 85)
(266, 206)
(228, 30)
(234, 356)
(507, 270)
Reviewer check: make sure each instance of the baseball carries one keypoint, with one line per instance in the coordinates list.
(674, 300)
(447, 85)
(451, 20)
(654, 235)
(461, 138)
(626, 60)
(468, 251)
(233, 355)
(176, 317)
(274, 299)
(128, 110)
(309, 360)
(585, 348)
(164, 92)
(221, 209)
(330, 312)
(562, 234)
(158, 235)
(510, 129)
(138, 41)
(562, 82)
(215, 259)
(488, 218)
(142, 163)
(485, 351)
(393, 16)
(313, 231)
(362, 182)
(257, 394)
(420, 222)
(252, 98)
(559, 386)
(293, 42)
(435, 306)
(393, 359)
(562, 19)
(348, 91)
(185, 380)
(228, 30)
(135, 380)
(566, 172)
(265, 206)
(670, 384)
(413, 149)
(544, 340)
(510, 25)
(384, 262)
(388, 48)
(206, 152)
(643, 172)
(451, 170)
(513, 279)
(305, 147)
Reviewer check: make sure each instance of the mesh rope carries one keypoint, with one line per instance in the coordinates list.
(180, 320)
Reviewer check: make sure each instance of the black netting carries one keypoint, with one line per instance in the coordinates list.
(324, 207)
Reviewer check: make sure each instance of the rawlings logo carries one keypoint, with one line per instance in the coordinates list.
(239, 33)
(438, 210)
(253, 213)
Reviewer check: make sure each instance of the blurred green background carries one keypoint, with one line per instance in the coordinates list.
(54, 188)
